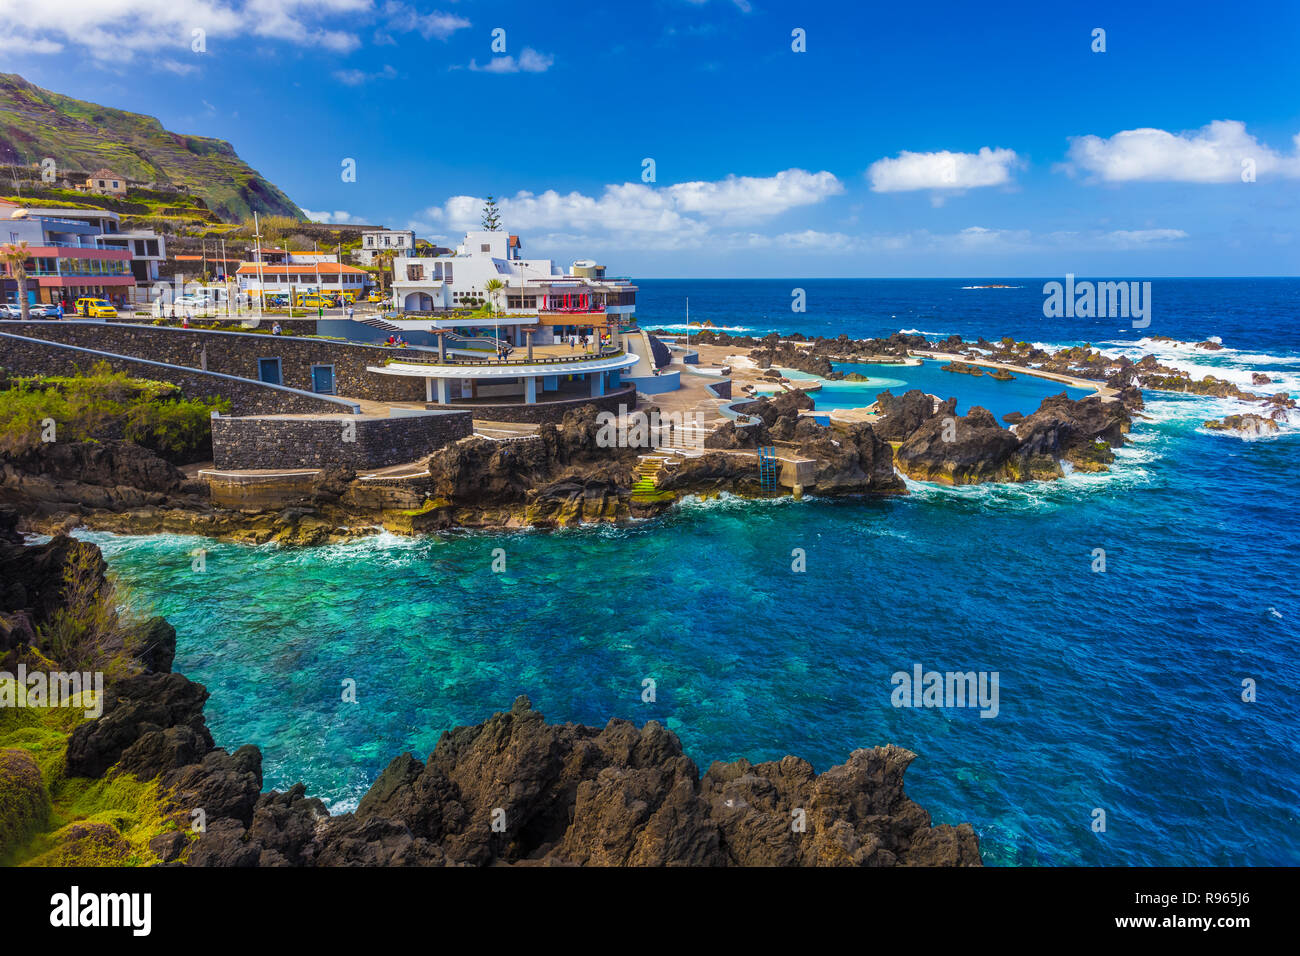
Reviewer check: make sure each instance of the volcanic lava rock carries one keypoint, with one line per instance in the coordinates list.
(517, 790)
(140, 706)
(960, 450)
(903, 414)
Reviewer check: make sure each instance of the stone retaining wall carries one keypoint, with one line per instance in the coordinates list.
(237, 353)
(34, 356)
(357, 441)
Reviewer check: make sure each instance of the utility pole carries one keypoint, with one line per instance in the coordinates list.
(257, 252)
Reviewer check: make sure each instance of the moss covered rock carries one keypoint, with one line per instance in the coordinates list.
(24, 801)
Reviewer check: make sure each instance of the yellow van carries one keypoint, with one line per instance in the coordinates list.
(313, 302)
(96, 309)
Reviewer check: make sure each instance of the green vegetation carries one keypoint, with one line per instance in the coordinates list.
(89, 407)
(87, 633)
(84, 137)
(46, 817)
(143, 204)
(50, 819)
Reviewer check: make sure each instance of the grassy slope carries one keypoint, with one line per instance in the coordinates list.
(36, 123)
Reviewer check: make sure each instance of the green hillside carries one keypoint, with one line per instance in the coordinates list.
(35, 123)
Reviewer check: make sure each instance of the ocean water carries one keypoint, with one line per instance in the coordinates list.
(1119, 690)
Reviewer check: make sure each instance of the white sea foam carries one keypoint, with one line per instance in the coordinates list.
(684, 327)
(1227, 364)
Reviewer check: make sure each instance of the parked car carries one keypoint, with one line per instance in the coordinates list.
(11, 311)
(96, 309)
(44, 310)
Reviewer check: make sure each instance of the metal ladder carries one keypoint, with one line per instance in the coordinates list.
(767, 469)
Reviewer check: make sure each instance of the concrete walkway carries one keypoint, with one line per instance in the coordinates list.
(1105, 391)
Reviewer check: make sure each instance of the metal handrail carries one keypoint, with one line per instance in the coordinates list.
(540, 360)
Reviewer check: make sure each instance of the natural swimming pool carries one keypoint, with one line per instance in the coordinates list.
(1023, 394)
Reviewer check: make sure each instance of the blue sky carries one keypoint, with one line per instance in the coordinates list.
(944, 139)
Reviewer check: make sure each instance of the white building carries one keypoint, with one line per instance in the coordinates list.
(535, 293)
(400, 241)
(300, 277)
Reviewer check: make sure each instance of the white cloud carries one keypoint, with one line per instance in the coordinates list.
(676, 216)
(942, 170)
(175, 66)
(116, 31)
(358, 77)
(434, 25)
(1135, 238)
(530, 61)
(337, 216)
(20, 44)
(1213, 154)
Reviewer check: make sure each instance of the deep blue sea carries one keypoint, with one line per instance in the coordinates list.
(1120, 690)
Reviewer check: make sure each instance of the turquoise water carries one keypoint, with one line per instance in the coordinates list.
(1023, 394)
(1119, 690)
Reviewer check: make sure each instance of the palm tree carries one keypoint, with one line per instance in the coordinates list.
(494, 287)
(14, 256)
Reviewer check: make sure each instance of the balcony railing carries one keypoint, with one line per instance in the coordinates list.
(606, 352)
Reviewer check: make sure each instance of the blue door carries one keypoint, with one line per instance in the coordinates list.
(268, 370)
(322, 379)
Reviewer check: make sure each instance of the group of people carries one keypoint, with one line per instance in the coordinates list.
(396, 341)
(503, 351)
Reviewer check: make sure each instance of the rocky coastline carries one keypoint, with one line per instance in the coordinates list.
(512, 790)
(567, 476)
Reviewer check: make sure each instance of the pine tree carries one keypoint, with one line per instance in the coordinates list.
(491, 215)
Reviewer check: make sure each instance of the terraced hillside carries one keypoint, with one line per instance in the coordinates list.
(36, 123)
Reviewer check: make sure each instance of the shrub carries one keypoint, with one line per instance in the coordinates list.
(106, 404)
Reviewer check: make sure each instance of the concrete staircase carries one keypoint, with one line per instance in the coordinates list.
(647, 469)
(377, 323)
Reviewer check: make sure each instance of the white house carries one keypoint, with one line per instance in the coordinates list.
(535, 293)
(400, 241)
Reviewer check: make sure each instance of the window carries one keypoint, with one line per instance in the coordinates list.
(485, 248)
